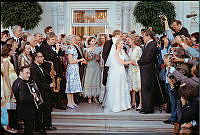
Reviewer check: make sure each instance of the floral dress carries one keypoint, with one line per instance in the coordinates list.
(92, 84)
(73, 84)
(134, 71)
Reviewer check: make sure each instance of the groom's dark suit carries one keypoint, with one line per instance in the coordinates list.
(148, 71)
(106, 50)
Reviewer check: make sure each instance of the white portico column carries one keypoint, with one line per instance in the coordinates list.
(126, 19)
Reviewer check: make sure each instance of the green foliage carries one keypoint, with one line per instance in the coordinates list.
(25, 14)
(146, 13)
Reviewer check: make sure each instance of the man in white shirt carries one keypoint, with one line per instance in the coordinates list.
(17, 31)
(33, 43)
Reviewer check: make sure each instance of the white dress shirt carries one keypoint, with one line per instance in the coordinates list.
(145, 47)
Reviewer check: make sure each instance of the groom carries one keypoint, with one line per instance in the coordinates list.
(106, 50)
(148, 72)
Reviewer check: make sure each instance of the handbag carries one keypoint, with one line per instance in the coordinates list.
(11, 105)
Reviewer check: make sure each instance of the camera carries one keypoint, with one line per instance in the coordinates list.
(162, 16)
(169, 57)
(159, 42)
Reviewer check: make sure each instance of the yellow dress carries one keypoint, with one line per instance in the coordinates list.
(12, 77)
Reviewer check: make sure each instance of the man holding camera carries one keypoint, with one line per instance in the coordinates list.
(185, 91)
(51, 51)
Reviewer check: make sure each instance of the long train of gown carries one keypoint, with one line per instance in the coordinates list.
(118, 93)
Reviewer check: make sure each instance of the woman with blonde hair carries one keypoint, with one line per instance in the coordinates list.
(24, 58)
(118, 93)
(102, 38)
(135, 53)
(73, 83)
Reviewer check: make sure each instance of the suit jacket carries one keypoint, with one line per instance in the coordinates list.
(81, 66)
(36, 48)
(188, 112)
(80, 53)
(19, 45)
(42, 79)
(25, 100)
(50, 55)
(149, 55)
(106, 50)
(183, 31)
(148, 74)
(193, 81)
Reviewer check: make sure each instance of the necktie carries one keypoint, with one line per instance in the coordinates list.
(40, 67)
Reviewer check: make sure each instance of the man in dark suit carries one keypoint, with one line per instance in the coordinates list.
(25, 100)
(147, 64)
(52, 52)
(106, 50)
(33, 42)
(44, 82)
(17, 31)
(179, 29)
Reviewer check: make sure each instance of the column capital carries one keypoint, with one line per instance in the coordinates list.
(125, 5)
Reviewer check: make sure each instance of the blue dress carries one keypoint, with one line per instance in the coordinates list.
(92, 84)
(73, 84)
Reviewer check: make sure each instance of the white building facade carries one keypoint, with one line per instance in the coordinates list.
(92, 17)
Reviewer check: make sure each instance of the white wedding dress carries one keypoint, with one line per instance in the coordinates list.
(118, 94)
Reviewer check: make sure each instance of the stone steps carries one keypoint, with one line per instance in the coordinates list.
(75, 122)
(111, 116)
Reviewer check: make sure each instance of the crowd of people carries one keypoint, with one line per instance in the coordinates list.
(119, 71)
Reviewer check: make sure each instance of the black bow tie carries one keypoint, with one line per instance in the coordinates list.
(54, 46)
(26, 81)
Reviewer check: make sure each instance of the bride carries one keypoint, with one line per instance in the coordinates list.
(118, 93)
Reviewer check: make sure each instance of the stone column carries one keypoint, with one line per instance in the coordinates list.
(54, 16)
(125, 19)
(60, 17)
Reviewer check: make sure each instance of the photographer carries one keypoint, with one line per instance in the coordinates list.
(190, 87)
(167, 41)
(188, 49)
(193, 81)
(187, 106)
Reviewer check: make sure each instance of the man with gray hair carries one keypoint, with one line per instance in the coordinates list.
(33, 42)
(17, 31)
(39, 38)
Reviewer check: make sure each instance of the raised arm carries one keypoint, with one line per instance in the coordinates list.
(168, 31)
